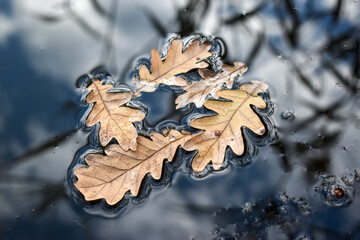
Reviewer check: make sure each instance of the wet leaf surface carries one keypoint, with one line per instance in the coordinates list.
(116, 121)
(177, 61)
(198, 91)
(254, 88)
(224, 129)
(110, 176)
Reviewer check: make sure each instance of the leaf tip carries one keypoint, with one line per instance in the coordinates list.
(262, 130)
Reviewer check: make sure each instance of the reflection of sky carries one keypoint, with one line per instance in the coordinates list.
(6, 28)
(45, 47)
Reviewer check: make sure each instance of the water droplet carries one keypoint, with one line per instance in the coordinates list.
(132, 174)
(283, 210)
(349, 182)
(284, 198)
(247, 208)
(288, 114)
(216, 230)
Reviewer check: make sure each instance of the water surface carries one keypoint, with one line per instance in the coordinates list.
(306, 51)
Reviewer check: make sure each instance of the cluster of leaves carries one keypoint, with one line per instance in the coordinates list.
(124, 165)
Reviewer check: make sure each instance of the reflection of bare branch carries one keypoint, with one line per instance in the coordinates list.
(283, 147)
(48, 18)
(290, 32)
(155, 22)
(85, 25)
(326, 140)
(356, 65)
(109, 34)
(336, 41)
(255, 49)
(328, 111)
(191, 16)
(97, 6)
(345, 82)
(49, 192)
(49, 195)
(306, 81)
(337, 10)
(8, 177)
(243, 17)
(35, 151)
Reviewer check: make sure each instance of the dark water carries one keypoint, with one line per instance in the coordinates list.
(306, 51)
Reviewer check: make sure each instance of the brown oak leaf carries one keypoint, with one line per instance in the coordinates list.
(212, 82)
(224, 129)
(116, 121)
(177, 61)
(110, 176)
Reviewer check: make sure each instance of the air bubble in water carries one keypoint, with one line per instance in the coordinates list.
(336, 192)
(248, 207)
(288, 114)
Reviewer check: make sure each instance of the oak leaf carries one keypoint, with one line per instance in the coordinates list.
(176, 62)
(212, 82)
(255, 87)
(110, 176)
(115, 120)
(224, 129)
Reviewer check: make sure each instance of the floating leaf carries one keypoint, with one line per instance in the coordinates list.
(224, 129)
(110, 176)
(115, 120)
(143, 86)
(255, 87)
(197, 92)
(175, 63)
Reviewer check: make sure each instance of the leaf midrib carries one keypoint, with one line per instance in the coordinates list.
(235, 111)
(217, 81)
(107, 110)
(129, 169)
(182, 63)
